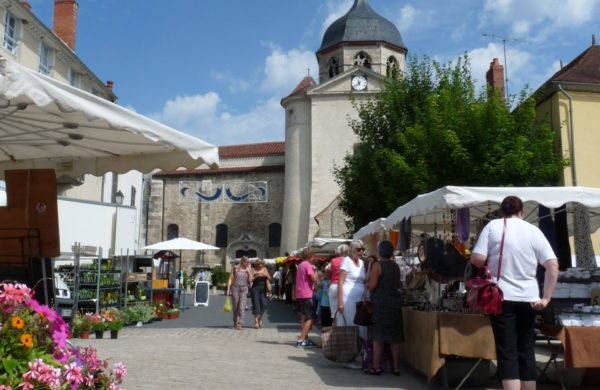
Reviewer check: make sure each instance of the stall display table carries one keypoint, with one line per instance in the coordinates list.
(581, 344)
(431, 336)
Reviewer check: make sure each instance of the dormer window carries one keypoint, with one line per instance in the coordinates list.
(392, 67)
(44, 59)
(334, 67)
(74, 78)
(10, 33)
(362, 59)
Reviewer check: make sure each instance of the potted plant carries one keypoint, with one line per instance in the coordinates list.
(173, 313)
(81, 326)
(114, 322)
(98, 325)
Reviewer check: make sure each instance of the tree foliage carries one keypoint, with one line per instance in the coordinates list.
(430, 129)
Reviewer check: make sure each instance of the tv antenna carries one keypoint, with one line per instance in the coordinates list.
(504, 40)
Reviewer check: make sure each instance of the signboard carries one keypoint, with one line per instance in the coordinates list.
(201, 295)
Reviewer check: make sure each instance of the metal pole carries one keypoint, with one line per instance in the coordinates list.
(573, 169)
(505, 69)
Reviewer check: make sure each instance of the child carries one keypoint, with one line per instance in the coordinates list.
(324, 298)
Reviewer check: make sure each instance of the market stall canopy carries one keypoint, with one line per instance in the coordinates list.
(324, 246)
(46, 124)
(431, 209)
(181, 243)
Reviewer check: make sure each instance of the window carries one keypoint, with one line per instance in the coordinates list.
(10, 33)
(362, 59)
(274, 235)
(73, 78)
(172, 231)
(133, 192)
(334, 67)
(44, 59)
(392, 67)
(221, 240)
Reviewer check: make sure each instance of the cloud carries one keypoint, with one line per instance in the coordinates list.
(524, 16)
(519, 64)
(234, 84)
(408, 15)
(284, 70)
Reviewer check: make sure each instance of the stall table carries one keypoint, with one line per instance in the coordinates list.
(431, 336)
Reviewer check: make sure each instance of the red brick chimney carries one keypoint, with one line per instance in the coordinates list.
(65, 21)
(495, 77)
(109, 85)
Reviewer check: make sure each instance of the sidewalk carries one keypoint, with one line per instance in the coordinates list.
(201, 350)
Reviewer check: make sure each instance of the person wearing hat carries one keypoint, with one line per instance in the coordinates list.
(521, 246)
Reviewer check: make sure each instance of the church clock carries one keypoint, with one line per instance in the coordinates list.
(359, 82)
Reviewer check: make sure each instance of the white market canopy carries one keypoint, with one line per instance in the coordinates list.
(46, 124)
(181, 243)
(431, 209)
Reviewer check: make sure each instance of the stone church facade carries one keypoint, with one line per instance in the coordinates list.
(268, 199)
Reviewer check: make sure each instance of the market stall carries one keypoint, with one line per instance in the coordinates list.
(434, 233)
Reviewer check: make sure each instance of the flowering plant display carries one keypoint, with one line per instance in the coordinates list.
(98, 322)
(34, 353)
(113, 319)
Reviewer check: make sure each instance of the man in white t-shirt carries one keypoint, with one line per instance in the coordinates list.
(523, 246)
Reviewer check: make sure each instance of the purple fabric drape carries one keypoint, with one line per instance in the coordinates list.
(463, 224)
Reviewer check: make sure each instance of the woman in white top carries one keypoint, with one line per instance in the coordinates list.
(351, 286)
(523, 247)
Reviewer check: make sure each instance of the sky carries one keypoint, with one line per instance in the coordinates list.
(219, 69)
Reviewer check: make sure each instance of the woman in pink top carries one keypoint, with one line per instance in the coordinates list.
(342, 252)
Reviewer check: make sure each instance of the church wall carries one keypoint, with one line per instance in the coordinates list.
(198, 220)
(332, 138)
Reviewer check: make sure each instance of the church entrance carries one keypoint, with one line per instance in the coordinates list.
(251, 253)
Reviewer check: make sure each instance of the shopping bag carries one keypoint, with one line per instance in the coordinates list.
(340, 343)
(484, 295)
(227, 306)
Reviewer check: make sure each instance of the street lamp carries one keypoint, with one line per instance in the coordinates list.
(119, 197)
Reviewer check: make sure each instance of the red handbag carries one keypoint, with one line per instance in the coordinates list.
(484, 295)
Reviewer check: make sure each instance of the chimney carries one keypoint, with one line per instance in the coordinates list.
(495, 77)
(109, 85)
(26, 5)
(65, 21)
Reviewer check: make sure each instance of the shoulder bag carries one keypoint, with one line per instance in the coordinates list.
(484, 295)
(364, 311)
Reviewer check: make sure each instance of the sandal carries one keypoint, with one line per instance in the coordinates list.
(373, 371)
(260, 324)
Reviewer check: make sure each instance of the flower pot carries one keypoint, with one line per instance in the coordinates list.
(85, 334)
(114, 334)
(172, 316)
(99, 334)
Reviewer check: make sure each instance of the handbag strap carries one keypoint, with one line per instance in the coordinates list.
(334, 324)
(501, 250)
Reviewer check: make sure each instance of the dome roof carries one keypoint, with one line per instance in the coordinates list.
(361, 23)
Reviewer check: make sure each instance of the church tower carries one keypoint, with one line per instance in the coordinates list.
(357, 52)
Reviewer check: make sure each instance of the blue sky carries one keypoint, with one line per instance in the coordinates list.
(218, 69)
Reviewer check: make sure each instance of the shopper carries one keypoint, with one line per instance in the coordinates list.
(305, 280)
(277, 277)
(523, 246)
(259, 292)
(237, 286)
(324, 297)
(384, 284)
(351, 287)
(341, 253)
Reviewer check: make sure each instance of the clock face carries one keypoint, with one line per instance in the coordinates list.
(359, 83)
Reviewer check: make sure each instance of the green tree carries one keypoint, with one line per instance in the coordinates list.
(430, 129)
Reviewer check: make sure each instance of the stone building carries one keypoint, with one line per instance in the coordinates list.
(237, 207)
(357, 52)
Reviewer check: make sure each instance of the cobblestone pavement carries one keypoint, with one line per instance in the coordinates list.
(195, 353)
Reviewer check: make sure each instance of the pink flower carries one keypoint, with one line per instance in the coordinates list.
(3, 387)
(14, 294)
(43, 310)
(112, 386)
(25, 385)
(73, 375)
(89, 380)
(120, 371)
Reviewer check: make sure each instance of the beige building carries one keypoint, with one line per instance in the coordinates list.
(357, 52)
(570, 99)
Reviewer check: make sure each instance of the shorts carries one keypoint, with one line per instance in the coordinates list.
(306, 308)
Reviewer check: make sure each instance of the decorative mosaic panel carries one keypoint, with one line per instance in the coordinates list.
(227, 192)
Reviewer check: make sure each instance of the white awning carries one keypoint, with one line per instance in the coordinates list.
(47, 124)
(431, 209)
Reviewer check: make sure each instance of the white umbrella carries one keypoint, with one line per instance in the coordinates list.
(181, 243)
(47, 124)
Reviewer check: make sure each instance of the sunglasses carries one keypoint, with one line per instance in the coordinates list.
(360, 249)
